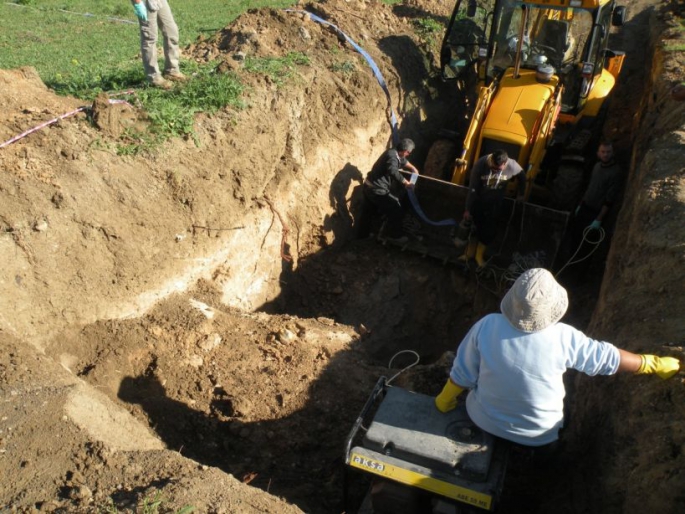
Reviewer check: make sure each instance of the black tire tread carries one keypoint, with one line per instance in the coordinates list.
(440, 159)
(567, 186)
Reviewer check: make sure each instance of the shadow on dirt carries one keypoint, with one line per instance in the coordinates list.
(300, 457)
(297, 457)
(630, 86)
(428, 104)
(344, 196)
(397, 299)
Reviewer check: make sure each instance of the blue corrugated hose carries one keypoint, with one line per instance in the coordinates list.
(395, 137)
(374, 67)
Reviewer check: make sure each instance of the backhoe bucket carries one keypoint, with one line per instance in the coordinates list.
(528, 234)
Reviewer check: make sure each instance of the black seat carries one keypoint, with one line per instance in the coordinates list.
(554, 34)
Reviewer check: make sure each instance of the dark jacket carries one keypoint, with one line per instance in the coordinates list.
(604, 186)
(490, 186)
(385, 177)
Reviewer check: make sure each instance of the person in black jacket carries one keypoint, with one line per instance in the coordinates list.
(602, 191)
(385, 186)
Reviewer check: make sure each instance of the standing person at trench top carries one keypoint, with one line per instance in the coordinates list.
(151, 15)
(489, 178)
(513, 363)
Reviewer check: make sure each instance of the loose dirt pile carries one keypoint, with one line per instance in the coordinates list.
(200, 323)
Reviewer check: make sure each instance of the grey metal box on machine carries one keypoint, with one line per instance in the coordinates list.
(408, 426)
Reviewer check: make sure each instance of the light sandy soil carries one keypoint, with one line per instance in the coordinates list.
(154, 339)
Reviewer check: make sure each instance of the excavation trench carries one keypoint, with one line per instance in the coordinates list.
(255, 352)
(241, 359)
(224, 301)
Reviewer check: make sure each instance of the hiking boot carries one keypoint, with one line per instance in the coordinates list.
(175, 76)
(161, 83)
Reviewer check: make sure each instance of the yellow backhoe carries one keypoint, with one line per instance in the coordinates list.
(536, 77)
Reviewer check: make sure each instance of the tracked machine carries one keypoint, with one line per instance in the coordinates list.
(536, 78)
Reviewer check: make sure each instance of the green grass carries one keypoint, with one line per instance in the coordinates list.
(81, 48)
(677, 47)
(172, 113)
(37, 33)
(95, 47)
(428, 29)
(278, 69)
(344, 68)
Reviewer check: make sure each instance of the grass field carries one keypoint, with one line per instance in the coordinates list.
(98, 38)
(83, 47)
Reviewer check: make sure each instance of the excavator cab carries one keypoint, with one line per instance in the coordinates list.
(540, 66)
(465, 41)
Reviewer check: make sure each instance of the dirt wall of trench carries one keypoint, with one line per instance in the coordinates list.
(126, 233)
(631, 430)
(102, 255)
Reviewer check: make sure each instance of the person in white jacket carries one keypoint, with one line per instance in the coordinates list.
(513, 363)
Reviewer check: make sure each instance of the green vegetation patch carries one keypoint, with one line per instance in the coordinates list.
(172, 113)
(102, 53)
(428, 29)
(104, 35)
(675, 47)
(344, 68)
(278, 69)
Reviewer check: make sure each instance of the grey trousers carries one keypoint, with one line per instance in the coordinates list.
(164, 20)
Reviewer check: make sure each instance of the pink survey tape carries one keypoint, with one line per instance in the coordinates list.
(58, 118)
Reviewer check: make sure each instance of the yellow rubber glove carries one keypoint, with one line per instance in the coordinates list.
(665, 367)
(447, 399)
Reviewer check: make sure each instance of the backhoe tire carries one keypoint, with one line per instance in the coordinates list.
(440, 160)
(567, 186)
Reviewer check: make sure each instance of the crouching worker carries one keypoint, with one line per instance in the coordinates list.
(385, 187)
(513, 363)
